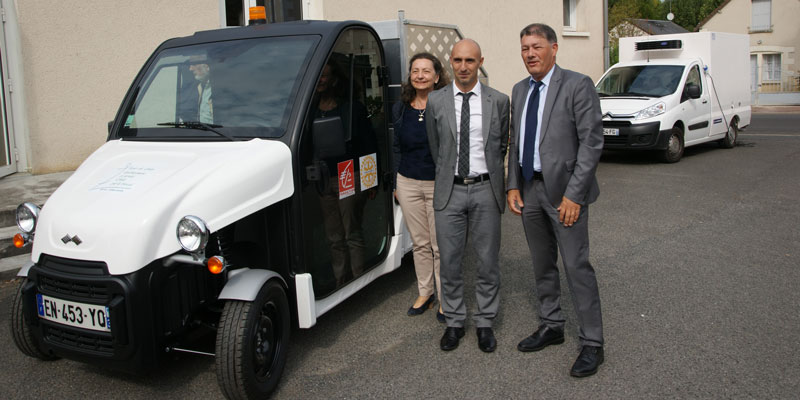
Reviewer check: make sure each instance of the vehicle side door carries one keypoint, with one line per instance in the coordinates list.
(696, 112)
(344, 151)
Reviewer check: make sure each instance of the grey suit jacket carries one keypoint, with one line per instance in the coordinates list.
(440, 117)
(570, 140)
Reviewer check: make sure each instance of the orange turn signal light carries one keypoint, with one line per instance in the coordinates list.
(19, 241)
(216, 265)
(258, 12)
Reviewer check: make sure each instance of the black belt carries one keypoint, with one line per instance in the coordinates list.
(467, 181)
(537, 176)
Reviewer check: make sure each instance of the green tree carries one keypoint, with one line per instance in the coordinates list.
(688, 13)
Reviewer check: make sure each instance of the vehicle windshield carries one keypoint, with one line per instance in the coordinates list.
(640, 81)
(219, 91)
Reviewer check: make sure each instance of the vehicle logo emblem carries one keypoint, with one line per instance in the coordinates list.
(607, 115)
(74, 239)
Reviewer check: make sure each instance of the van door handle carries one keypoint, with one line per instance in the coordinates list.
(705, 101)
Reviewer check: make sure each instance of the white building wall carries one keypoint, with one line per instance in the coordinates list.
(80, 56)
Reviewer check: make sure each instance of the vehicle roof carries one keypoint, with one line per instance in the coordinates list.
(658, 61)
(293, 28)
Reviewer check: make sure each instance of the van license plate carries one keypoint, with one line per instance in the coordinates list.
(610, 131)
(80, 315)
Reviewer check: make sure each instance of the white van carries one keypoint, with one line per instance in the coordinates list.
(673, 91)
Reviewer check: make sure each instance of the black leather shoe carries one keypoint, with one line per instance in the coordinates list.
(426, 305)
(588, 361)
(451, 337)
(486, 341)
(540, 339)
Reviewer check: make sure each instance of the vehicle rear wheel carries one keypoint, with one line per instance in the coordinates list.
(674, 150)
(730, 138)
(21, 332)
(252, 342)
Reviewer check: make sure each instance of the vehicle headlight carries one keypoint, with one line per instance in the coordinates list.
(192, 233)
(652, 111)
(27, 215)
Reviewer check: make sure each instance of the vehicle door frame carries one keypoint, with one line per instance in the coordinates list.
(696, 112)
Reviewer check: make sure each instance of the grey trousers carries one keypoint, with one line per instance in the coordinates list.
(471, 213)
(546, 236)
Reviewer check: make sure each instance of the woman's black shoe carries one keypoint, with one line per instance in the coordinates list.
(417, 311)
(440, 317)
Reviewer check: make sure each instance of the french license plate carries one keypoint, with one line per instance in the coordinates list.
(610, 131)
(80, 315)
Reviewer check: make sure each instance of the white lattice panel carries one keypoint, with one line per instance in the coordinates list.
(435, 40)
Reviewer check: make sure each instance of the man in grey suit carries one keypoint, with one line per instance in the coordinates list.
(556, 142)
(467, 126)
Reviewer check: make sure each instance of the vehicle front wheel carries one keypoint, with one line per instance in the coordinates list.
(674, 150)
(252, 342)
(21, 332)
(730, 137)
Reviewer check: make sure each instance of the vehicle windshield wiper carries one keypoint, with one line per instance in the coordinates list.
(199, 125)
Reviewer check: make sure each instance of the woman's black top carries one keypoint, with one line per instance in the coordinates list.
(412, 153)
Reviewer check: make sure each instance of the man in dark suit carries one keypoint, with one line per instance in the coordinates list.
(467, 126)
(556, 142)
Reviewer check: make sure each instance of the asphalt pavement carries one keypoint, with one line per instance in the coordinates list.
(697, 264)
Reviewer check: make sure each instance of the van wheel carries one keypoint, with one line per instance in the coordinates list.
(21, 332)
(730, 138)
(674, 150)
(252, 343)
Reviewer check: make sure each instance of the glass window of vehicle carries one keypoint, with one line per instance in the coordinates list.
(693, 78)
(346, 202)
(242, 88)
(640, 81)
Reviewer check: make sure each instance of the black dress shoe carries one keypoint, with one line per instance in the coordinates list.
(486, 341)
(590, 358)
(540, 339)
(451, 337)
(426, 305)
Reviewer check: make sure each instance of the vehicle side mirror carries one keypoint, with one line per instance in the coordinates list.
(693, 91)
(328, 137)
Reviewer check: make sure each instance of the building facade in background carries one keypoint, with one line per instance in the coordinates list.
(774, 38)
(67, 65)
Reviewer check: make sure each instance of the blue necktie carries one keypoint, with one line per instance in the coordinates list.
(531, 121)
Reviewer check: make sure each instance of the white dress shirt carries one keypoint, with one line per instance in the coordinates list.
(537, 162)
(477, 157)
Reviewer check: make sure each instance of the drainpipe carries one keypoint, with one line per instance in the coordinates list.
(606, 56)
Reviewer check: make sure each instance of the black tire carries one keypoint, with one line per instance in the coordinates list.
(674, 150)
(729, 141)
(252, 343)
(20, 331)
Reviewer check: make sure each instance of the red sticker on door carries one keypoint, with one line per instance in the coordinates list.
(347, 182)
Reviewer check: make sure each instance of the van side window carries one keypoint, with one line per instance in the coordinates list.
(692, 79)
(344, 152)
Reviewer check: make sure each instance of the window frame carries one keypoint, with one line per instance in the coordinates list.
(755, 24)
(771, 63)
(570, 15)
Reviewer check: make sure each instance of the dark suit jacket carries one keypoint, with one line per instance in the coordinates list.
(570, 140)
(440, 117)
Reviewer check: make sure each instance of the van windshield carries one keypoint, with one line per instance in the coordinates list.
(219, 91)
(640, 81)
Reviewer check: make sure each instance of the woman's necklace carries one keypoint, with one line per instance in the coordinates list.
(421, 113)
